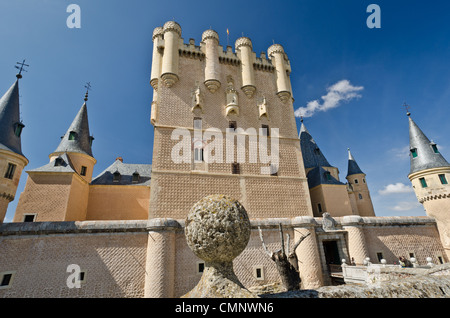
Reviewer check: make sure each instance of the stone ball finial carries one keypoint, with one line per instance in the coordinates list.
(172, 26)
(217, 229)
(243, 41)
(210, 34)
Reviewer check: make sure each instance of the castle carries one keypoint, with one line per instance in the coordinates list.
(124, 228)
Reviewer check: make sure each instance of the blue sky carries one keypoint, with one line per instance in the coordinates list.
(407, 59)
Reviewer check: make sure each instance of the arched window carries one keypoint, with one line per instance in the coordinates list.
(116, 176)
(135, 177)
(73, 135)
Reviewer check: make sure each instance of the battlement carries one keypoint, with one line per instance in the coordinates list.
(169, 47)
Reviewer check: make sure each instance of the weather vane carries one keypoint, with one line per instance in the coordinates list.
(88, 88)
(407, 107)
(21, 68)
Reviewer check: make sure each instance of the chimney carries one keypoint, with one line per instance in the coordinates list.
(119, 158)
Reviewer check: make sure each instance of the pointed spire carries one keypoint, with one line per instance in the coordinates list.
(353, 167)
(424, 154)
(77, 138)
(312, 156)
(10, 124)
(302, 127)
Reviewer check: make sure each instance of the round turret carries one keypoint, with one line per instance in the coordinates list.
(211, 40)
(244, 47)
(276, 53)
(172, 35)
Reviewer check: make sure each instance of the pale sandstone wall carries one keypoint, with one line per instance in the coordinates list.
(78, 200)
(115, 202)
(8, 187)
(46, 195)
(151, 258)
(113, 262)
(285, 195)
(394, 237)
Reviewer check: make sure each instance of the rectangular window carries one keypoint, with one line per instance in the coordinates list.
(423, 182)
(72, 135)
(273, 170)
(258, 272)
(197, 123)
(200, 267)
(356, 181)
(83, 170)
(265, 130)
(29, 217)
(443, 179)
(135, 178)
(319, 206)
(235, 169)
(379, 256)
(6, 279)
(10, 171)
(414, 152)
(19, 127)
(434, 148)
(198, 155)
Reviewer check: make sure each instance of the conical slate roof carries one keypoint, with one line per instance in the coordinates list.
(312, 156)
(77, 138)
(353, 167)
(423, 153)
(10, 120)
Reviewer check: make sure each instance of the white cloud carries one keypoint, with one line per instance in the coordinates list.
(341, 91)
(401, 153)
(405, 206)
(396, 188)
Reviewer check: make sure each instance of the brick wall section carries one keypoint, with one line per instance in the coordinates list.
(114, 262)
(46, 195)
(133, 259)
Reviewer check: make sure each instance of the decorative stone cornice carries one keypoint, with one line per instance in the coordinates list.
(210, 34)
(158, 31)
(172, 26)
(434, 197)
(7, 196)
(243, 41)
(275, 48)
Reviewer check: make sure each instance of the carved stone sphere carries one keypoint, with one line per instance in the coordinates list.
(217, 229)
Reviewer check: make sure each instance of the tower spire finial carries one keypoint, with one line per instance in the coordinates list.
(407, 108)
(21, 68)
(88, 88)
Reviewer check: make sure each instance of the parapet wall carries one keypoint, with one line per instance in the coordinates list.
(121, 258)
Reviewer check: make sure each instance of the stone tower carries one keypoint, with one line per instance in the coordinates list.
(328, 194)
(358, 189)
(211, 108)
(12, 160)
(429, 176)
(59, 190)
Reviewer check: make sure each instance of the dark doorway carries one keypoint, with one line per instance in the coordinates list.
(331, 252)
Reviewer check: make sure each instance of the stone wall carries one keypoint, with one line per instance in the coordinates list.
(152, 259)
